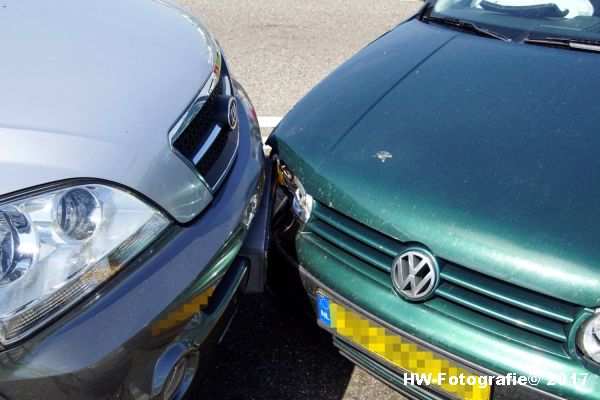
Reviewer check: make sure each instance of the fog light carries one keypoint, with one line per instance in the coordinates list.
(175, 379)
(174, 371)
(588, 338)
(252, 208)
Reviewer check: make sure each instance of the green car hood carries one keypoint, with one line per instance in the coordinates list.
(486, 152)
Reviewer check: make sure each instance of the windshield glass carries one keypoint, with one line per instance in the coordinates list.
(520, 20)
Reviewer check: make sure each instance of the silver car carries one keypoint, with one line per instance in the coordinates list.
(130, 209)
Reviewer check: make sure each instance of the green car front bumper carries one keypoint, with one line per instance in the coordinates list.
(325, 266)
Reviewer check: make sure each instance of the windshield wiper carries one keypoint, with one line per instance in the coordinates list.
(466, 26)
(575, 44)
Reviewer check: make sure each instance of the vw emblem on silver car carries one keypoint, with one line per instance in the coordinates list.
(415, 274)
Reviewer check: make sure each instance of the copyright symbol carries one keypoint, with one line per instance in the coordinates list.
(533, 380)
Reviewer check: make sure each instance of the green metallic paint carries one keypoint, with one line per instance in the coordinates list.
(495, 162)
(469, 342)
(509, 294)
(500, 300)
(532, 319)
(495, 167)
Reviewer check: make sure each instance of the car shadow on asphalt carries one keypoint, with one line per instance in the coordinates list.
(273, 352)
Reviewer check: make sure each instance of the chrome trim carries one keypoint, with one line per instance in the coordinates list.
(191, 112)
(226, 170)
(415, 274)
(209, 142)
(584, 46)
(227, 87)
(194, 108)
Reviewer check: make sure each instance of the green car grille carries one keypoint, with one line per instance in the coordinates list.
(501, 308)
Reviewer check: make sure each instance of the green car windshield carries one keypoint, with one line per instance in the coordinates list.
(541, 21)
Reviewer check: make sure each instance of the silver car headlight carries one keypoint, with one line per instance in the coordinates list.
(58, 246)
(588, 338)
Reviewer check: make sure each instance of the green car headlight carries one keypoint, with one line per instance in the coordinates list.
(58, 246)
(588, 338)
(302, 202)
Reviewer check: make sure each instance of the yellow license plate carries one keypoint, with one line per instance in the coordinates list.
(416, 360)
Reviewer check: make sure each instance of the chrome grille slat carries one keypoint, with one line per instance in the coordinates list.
(209, 141)
(199, 139)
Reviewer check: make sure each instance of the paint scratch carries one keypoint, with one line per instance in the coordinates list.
(383, 155)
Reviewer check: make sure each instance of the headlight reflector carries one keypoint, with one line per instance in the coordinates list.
(78, 213)
(7, 244)
(58, 246)
(588, 338)
(18, 242)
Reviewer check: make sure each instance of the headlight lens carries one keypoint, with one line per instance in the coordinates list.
(58, 246)
(302, 202)
(588, 338)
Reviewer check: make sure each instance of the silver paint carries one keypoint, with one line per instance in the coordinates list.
(91, 89)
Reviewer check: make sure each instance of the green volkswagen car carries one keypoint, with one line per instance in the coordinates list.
(439, 200)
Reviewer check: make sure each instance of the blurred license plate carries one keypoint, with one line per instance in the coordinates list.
(397, 350)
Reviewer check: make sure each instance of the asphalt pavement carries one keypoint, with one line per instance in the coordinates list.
(278, 50)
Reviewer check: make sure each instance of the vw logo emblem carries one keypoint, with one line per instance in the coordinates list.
(415, 274)
(232, 113)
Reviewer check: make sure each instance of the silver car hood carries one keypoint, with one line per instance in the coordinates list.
(90, 89)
